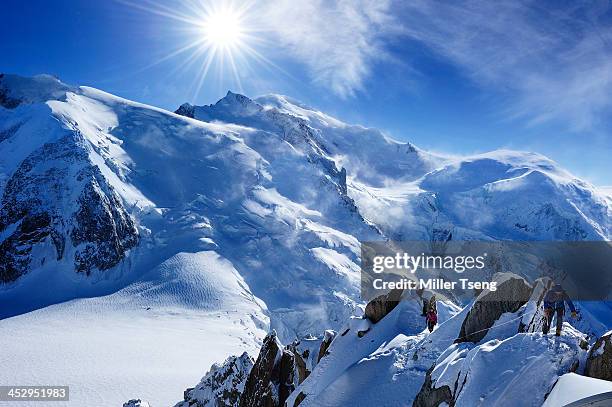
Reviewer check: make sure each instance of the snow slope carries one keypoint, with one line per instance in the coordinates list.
(148, 339)
(572, 387)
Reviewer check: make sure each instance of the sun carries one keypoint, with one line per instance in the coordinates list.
(220, 38)
(223, 29)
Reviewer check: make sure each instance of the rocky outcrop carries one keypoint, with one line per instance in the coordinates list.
(599, 361)
(430, 396)
(222, 385)
(268, 384)
(278, 370)
(380, 306)
(58, 198)
(511, 293)
(328, 337)
(286, 376)
(136, 403)
(103, 230)
(186, 110)
(298, 400)
(301, 369)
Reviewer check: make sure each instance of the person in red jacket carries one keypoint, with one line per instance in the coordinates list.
(432, 320)
(432, 314)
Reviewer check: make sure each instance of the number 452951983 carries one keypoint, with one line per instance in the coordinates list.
(42, 393)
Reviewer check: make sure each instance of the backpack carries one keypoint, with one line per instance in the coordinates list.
(432, 317)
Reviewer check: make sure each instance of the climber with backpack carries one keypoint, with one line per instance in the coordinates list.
(432, 314)
(555, 300)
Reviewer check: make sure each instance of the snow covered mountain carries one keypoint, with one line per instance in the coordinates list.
(412, 194)
(156, 243)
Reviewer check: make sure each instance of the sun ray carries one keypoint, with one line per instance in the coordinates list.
(230, 58)
(174, 54)
(209, 58)
(160, 10)
(223, 38)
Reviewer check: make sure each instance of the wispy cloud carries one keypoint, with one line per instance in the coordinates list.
(337, 41)
(554, 61)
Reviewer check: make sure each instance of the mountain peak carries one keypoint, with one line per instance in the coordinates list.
(16, 90)
(186, 109)
(232, 98)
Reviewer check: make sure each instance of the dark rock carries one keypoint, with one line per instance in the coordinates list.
(136, 403)
(261, 388)
(300, 397)
(222, 385)
(286, 376)
(268, 382)
(380, 306)
(102, 225)
(430, 396)
(512, 292)
(599, 361)
(300, 368)
(39, 204)
(327, 340)
(15, 250)
(186, 110)
(584, 344)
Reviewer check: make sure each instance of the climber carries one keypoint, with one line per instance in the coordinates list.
(555, 300)
(432, 314)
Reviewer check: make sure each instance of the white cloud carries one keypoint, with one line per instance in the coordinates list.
(337, 41)
(555, 63)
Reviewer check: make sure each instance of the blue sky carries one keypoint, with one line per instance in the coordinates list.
(458, 77)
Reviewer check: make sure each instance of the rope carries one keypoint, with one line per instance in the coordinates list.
(491, 327)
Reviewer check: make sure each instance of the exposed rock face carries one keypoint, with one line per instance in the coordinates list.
(103, 231)
(599, 362)
(186, 110)
(512, 292)
(300, 397)
(286, 376)
(266, 382)
(262, 388)
(300, 368)
(222, 385)
(57, 196)
(429, 396)
(325, 344)
(382, 305)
